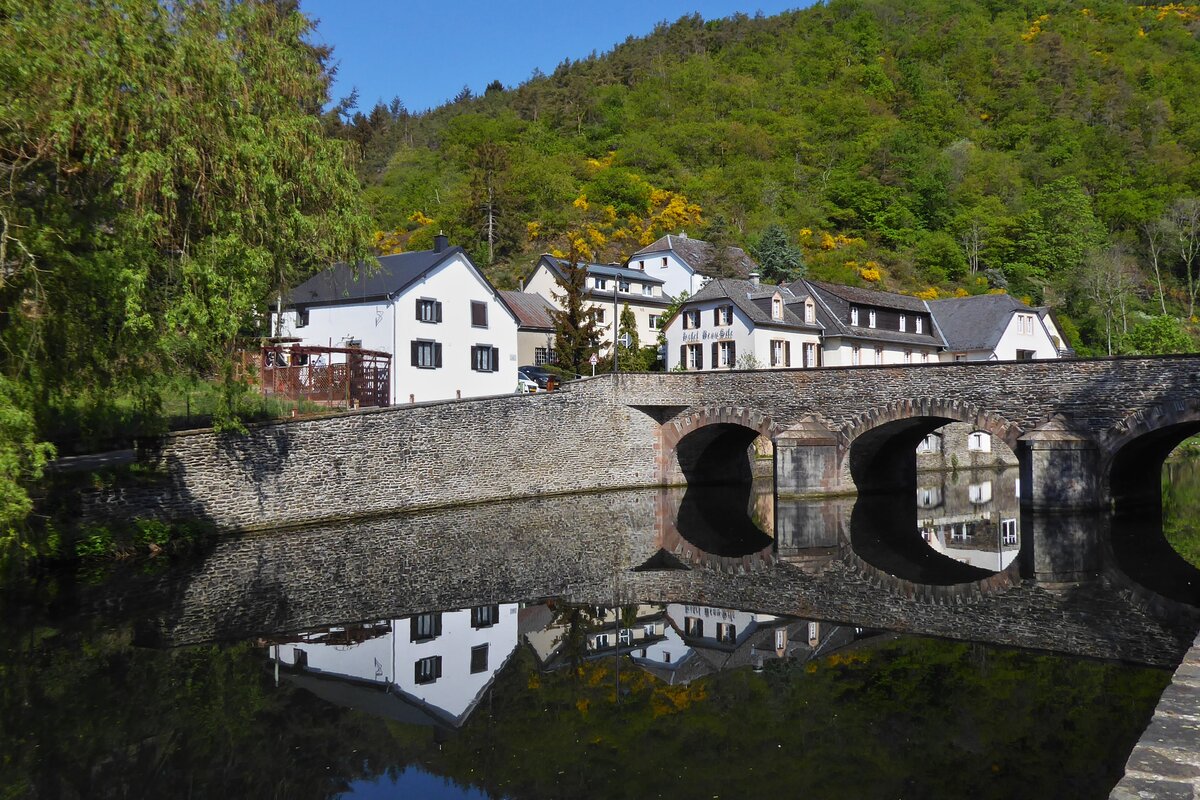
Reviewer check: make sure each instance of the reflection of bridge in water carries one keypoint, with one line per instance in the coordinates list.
(609, 549)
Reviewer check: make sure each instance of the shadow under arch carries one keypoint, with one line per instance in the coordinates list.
(881, 444)
(1137, 542)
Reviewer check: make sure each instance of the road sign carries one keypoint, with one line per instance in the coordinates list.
(594, 360)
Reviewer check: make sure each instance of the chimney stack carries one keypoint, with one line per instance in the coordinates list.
(754, 278)
(440, 243)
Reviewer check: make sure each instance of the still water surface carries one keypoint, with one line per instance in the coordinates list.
(539, 697)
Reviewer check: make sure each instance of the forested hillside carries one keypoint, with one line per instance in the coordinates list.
(1045, 148)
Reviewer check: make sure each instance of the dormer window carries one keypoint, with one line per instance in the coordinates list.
(776, 307)
(871, 318)
(919, 325)
(600, 283)
(853, 315)
(903, 323)
(624, 286)
(810, 312)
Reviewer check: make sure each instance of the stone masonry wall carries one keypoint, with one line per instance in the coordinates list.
(604, 433)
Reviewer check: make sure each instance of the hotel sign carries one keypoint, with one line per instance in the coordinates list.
(707, 336)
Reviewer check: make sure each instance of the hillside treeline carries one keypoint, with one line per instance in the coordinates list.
(1043, 148)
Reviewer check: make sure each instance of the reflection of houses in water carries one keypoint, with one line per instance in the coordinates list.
(426, 669)
(701, 640)
(561, 634)
(971, 516)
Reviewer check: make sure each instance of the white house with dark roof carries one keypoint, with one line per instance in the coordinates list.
(996, 327)
(448, 330)
(643, 292)
(868, 327)
(535, 327)
(731, 323)
(686, 264)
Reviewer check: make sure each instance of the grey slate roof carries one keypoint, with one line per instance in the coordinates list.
(339, 284)
(531, 309)
(755, 302)
(833, 310)
(603, 270)
(976, 323)
(699, 254)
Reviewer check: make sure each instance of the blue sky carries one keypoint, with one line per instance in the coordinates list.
(424, 53)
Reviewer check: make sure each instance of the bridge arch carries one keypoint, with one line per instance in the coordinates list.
(708, 444)
(879, 444)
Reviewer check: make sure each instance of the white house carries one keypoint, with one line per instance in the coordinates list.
(440, 661)
(449, 332)
(865, 327)
(732, 323)
(643, 292)
(996, 327)
(685, 264)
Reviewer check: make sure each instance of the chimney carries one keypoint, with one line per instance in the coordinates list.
(754, 278)
(682, 234)
(521, 284)
(440, 243)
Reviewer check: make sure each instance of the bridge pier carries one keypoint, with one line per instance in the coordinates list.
(806, 461)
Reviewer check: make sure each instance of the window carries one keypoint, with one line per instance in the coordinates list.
(814, 634)
(623, 286)
(544, 355)
(979, 442)
(693, 626)
(930, 444)
(691, 319)
(908, 356)
(856, 355)
(776, 307)
(479, 658)
(692, 356)
(484, 616)
(903, 323)
(723, 315)
(655, 321)
(810, 312)
(919, 325)
(781, 353)
(929, 496)
(478, 314)
(980, 492)
(1026, 355)
(780, 638)
(600, 283)
(647, 290)
(650, 629)
(925, 358)
(664, 262)
(810, 355)
(642, 265)
(1025, 324)
(428, 310)
(426, 354)
(625, 637)
(1008, 531)
(301, 317)
(427, 670)
(485, 358)
(853, 315)
(600, 641)
(878, 353)
(666, 656)
(726, 632)
(724, 354)
(424, 627)
(871, 318)
(598, 315)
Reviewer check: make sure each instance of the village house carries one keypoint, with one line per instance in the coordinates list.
(732, 324)
(535, 327)
(865, 327)
(448, 330)
(642, 292)
(685, 264)
(996, 327)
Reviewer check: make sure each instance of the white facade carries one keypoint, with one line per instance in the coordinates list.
(843, 352)
(447, 670)
(1025, 338)
(393, 325)
(675, 273)
(716, 334)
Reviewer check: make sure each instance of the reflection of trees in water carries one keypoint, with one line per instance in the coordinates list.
(1181, 507)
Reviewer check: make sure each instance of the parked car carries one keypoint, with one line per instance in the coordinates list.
(525, 383)
(540, 375)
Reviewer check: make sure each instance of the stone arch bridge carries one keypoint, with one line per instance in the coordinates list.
(1087, 433)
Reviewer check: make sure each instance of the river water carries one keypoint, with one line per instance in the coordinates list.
(351, 662)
